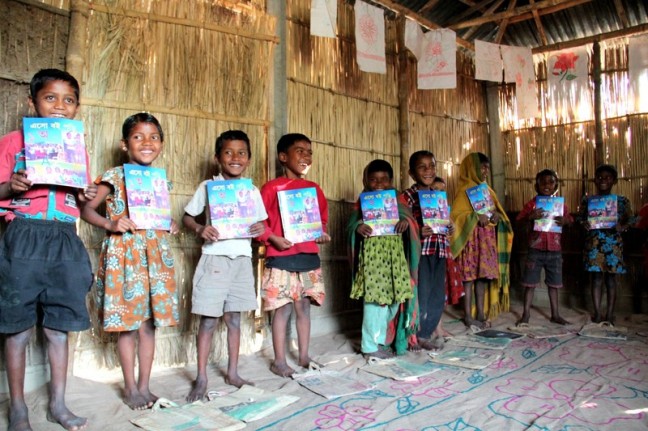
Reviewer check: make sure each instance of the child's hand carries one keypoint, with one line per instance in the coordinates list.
(257, 229)
(483, 220)
(495, 218)
(558, 220)
(323, 239)
(279, 242)
(622, 227)
(587, 225)
(174, 228)
(364, 230)
(401, 226)
(426, 231)
(451, 229)
(209, 233)
(19, 182)
(122, 225)
(536, 214)
(88, 194)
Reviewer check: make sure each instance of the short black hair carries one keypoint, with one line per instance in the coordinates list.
(483, 158)
(545, 173)
(606, 168)
(141, 117)
(417, 155)
(380, 165)
(232, 135)
(290, 139)
(44, 76)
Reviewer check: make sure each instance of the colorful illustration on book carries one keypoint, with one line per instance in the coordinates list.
(380, 211)
(300, 214)
(481, 200)
(435, 210)
(232, 207)
(55, 152)
(602, 211)
(147, 191)
(552, 207)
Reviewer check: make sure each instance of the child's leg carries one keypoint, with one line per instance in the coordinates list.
(597, 293)
(15, 346)
(126, 348)
(233, 322)
(374, 329)
(57, 351)
(432, 271)
(303, 323)
(204, 343)
(610, 284)
(280, 319)
(528, 300)
(553, 302)
(468, 294)
(145, 354)
(480, 295)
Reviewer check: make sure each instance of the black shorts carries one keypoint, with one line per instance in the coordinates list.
(44, 270)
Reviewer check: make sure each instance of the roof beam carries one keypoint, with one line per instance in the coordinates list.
(474, 8)
(631, 31)
(622, 14)
(428, 6)
(488, 12)
(502, 25)
(547, 11)
(538, 23)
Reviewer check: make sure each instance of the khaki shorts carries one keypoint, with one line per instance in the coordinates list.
(223, 285)
(282, 287)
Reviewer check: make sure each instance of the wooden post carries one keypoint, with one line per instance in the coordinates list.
(497, 150)
(403, 103)
(599, 157)
(77, 37)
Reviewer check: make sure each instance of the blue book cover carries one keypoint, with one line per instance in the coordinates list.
(435, 210)
(232, 208)
(602, 211)
(300, 214)
(552, 207)
(147, 192)
(55, 152)
(380, 211)
(480, 199)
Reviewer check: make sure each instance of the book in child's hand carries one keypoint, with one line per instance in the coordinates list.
(602, 211)
(147, 192)
(552, 207)
(380, 211)
(232, 207)
(300, 214)
(480, 199)
(435, 210)
(55, 152)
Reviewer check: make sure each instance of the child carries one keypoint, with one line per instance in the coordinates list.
(136, 290)
(383, 274)
(544, 249)
(603, 255)
(435, 249)
(481, 244)
(292, 274)
(232, 290)
(45, 267)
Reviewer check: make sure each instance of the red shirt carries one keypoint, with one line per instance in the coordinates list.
(547, 241)
(40, 201)
(273, 222)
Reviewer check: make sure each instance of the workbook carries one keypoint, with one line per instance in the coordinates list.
(232, 207)
(480, 199)
(552, 207)
(435, 210)
(380, 211)
(147, 192)
(300, 214)
(602, 211)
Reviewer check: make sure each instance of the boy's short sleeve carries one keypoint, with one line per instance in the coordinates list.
(197, 204)
(10, 145)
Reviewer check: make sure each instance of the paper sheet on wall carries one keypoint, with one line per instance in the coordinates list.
(370, 38)
(568, 81)
(488, 61)
(414, 37)
(518, 68)
(323, 18)
(638, 73)
(437, 65)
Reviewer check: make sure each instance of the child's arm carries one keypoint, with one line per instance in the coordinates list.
(90, 215)
(206, 232)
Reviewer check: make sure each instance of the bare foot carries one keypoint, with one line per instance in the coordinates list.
(149, 397)
(523, 319)
(612, 320)
(67, 419)
(433, 345)
(198, 390)
(472, 322)
(19, 419)
(237, 381)
(414, 348)
(282, 370)
(380, 354)
(135, 400)
(596, 318)
(444, 333)
(559, 320)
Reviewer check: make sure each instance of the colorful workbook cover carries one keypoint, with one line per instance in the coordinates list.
(480, 199)
(435, 210)
(602, 211)
(300, 214)
(147, 192)
(552, 207)
(380, 211)
(55, 152)
(232, 207)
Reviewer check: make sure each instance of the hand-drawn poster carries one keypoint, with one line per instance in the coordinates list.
(488, 61)
(568, 82)
(323, 18)
(437, 65)
(638, 72)
(370, 38)
(518, 68)
(414, 37)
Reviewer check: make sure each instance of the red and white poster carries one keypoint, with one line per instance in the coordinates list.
(437, 65)
(488, 61)
(370, 38)
(518, 68)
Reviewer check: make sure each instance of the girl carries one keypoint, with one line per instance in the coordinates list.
(385, 269)
(482, 244)
(603, 255)
(136, 280)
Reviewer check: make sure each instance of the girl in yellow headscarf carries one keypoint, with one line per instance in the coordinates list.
(482, 245)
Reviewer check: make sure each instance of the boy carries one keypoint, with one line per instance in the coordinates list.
(435, 249)
(544, 249)
(292, 272)
(45, 267)
(223, 284)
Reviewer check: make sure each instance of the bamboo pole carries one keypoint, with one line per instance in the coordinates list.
(403, 105)
(598, 126)
(77, 46)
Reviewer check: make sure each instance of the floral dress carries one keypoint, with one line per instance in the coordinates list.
(136, 276)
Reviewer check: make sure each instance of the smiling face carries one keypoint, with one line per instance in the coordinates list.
(144, 143)
(56, 99)
(604, 181)
(378, 181)
(297, 159)
(546, 185)
(233, 159)
(424, 171)
(484, 170)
